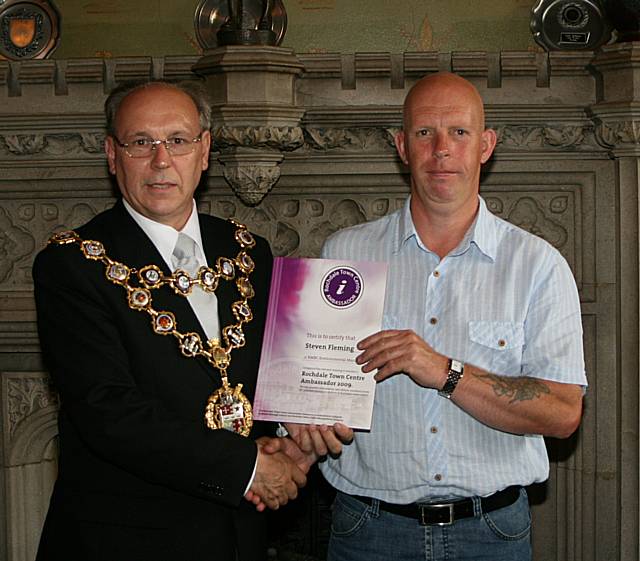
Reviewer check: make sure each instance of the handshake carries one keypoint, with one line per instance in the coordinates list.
(283, 463)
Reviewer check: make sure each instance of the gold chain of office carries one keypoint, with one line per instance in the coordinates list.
(227, 407)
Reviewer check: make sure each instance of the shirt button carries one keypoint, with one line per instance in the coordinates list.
(433, 321)
(434, 430)
(502, 343)
(436, 273)
(438, 477)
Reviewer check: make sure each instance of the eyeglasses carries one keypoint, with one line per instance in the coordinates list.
(145, 147)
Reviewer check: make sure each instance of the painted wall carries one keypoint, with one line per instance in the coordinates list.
(118, 28)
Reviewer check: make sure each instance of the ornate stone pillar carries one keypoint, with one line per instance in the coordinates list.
(617, 118)
(255, 115)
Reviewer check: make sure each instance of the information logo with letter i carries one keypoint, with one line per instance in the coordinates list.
(342, 287)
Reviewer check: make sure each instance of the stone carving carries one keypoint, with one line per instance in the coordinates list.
(276, 138)
(342, 215)
(518, 137)
(251, 182)
(494, 205)
(563, 137)
(611, 134)
(283, 237)
(529, 215)
(361, 139)
(54, 144)
(15, 243)
(326, 139)
(525, 137)
(367, 139)
(559, 204)
(78, 215)
(286, 240)
(300, 226)
(25, 144)
(25, 396)
(93, 143)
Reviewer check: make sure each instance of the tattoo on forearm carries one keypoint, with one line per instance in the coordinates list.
(517, 389)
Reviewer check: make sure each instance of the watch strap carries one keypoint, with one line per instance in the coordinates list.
(456, 372)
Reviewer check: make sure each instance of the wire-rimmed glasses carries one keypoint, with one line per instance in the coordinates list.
(145, 147)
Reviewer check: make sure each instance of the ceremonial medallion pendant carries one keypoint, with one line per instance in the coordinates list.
(228, 408)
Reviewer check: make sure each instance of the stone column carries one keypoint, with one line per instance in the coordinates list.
(617, 118)
(255, 116)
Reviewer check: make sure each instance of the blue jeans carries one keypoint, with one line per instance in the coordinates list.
(361, 532)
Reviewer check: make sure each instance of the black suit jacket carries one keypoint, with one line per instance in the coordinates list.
(140, 476)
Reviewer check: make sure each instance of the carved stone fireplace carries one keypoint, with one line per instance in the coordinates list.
(306, 147)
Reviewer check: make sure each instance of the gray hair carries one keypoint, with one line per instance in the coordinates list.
(195, 90)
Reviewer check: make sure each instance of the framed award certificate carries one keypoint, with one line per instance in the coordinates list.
(318, 311)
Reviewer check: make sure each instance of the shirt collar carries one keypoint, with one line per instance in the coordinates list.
(482, 232)
(164, 237)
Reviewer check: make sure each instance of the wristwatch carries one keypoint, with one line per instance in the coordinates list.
(456, 371)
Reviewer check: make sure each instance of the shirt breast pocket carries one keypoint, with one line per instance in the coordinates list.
(496, 346)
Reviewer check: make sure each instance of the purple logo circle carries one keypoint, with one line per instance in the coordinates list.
(342, 287)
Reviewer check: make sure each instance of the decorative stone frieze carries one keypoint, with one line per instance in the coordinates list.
(285, 139)
(619, 135)
(535, 137)
(67, 145)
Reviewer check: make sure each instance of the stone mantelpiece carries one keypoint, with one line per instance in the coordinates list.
(566, 168)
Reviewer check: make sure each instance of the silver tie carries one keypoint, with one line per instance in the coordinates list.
(204, 304)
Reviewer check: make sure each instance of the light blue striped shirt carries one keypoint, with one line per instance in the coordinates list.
(504, 300)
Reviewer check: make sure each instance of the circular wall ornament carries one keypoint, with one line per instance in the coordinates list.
(211, 15)
(569, 24)
(28, 29)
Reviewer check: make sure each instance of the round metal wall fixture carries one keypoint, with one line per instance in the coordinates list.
(28, 29)
(569, 24)
(210, 15)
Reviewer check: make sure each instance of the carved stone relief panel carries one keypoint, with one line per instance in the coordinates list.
(16, 147)
(536, 138)
(29, 437)
(298, 226)
(29, 405)
(549, 215)
(557, 205)
(25, 227)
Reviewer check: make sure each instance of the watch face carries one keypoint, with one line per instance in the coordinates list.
(456, 366)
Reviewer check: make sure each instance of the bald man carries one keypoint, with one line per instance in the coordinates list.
(480, 357)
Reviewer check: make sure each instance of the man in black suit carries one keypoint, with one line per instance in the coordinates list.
(140, 475)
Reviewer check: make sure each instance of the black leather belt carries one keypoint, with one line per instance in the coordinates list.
(444, 514)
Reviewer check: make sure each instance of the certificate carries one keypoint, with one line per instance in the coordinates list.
(318, 311)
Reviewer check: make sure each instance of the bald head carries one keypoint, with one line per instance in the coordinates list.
(444, 144)
(443, 89)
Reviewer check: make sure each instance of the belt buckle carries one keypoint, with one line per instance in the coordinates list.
(423, 508)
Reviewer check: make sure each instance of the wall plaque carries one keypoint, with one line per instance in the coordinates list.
(569, 24)
(28, 29)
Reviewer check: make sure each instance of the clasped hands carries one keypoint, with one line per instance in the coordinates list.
(283, 463)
